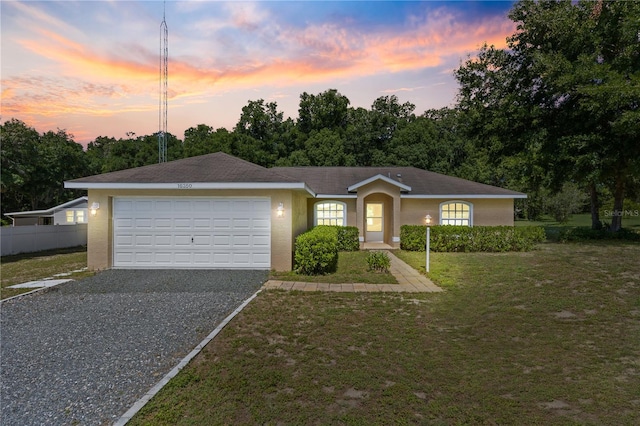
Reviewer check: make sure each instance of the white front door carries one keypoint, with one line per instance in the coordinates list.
(192, 232)
(374, 223)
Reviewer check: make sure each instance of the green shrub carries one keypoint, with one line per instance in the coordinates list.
(470, 239)
(316, 251)
(378, 261)
(348, 238)
(583, 233)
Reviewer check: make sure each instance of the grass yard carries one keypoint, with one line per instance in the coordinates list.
(21, 268)
(352, 268)
(546, 337)
(630, 221)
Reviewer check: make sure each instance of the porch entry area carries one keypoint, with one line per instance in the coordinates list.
(374, 223)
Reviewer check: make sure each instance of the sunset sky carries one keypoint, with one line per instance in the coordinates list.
(92, 67)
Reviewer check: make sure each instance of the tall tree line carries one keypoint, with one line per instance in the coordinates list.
(554, 113)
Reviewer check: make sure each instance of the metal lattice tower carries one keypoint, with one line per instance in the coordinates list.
(164, 85)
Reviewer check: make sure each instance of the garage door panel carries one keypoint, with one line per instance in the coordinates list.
(261, 224)
(144, 206)
(182, 241)
(163, 240)
(145, 222)
(262, 260)
(261, 241)
(124, 241)
(192, 232)
(221, 241)
(244, 206)
(144, 240)
(202, 240)
(241, 223)
(202, 223)
(181, 258)
(163, 258)
(242, 259)
(241, 241)
(124, 223)
(221, 224)
(143, 257)
(182, 223)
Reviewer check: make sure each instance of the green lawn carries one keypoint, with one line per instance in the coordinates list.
(352, 268)
(35, 266)
(545, 337)
(583, 219)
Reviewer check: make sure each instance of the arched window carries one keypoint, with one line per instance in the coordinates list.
(456, 213)
(330, 213)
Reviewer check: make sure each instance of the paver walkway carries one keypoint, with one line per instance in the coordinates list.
(409, 280)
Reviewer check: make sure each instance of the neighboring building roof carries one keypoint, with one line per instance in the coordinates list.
(51, 211)
(223, 171)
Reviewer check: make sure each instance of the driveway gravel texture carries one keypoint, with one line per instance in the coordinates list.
(84, 352)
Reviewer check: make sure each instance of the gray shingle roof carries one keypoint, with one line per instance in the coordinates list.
(336, 180)
(224, 168)
(218, 167)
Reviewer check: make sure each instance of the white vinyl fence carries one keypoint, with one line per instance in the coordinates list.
(29, 239)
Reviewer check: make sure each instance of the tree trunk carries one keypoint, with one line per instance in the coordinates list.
(595, 207)
(618, 200)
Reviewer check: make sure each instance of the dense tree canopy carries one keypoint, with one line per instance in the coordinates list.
(561, 103)
(555, 115)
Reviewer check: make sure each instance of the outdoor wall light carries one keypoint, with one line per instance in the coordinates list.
(94, 208)
(280, 210)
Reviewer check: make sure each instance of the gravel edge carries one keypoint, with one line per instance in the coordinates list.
(139, 404)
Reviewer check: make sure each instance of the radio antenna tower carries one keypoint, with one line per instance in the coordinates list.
(164, 84)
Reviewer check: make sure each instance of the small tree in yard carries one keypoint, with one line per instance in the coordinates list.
(568, 201)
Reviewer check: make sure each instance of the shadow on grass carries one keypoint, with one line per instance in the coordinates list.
(44, 253)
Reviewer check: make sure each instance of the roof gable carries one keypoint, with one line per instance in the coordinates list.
(402, 186)
(52, 210)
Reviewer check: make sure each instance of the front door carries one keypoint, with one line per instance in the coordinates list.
(374, 223)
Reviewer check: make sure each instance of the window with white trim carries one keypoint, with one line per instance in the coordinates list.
(456, 213)
(330, 213)
(75, 216)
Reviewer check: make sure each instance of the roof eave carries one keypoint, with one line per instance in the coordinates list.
(189, 185)
(467, 196)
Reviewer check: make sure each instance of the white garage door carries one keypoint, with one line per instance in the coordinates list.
(192, 233)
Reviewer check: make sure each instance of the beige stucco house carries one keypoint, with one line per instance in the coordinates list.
(218, 211)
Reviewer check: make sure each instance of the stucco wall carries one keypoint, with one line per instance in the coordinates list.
(283, 229)
(486, 212)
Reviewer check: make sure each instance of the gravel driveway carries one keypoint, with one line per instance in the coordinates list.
(85, 351)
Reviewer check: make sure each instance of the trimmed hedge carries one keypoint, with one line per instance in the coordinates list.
(316, 251)
(348, 238)
(449, 238)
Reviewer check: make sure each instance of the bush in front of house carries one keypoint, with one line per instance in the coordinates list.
(348, 238)
(448, 238)
(316, 251)
(378, 261)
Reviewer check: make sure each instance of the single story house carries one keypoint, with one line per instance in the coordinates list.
(69, 213)
(218, 211)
